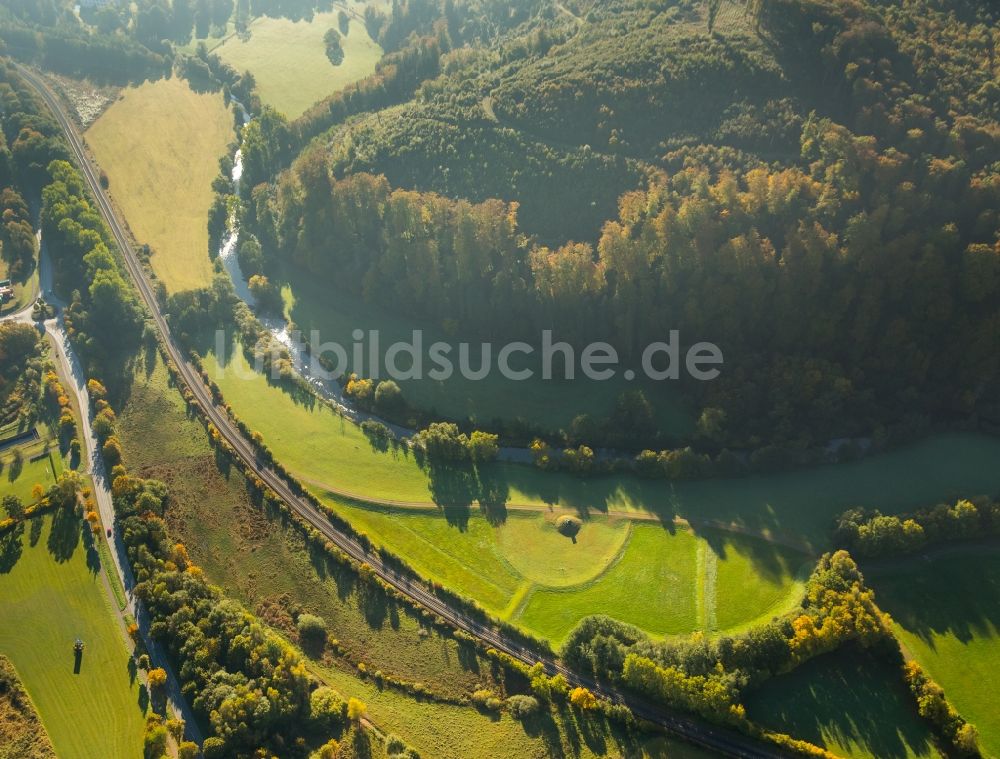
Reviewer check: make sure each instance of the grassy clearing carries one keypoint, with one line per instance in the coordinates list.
(847, 702)
(322, 448)
(548, 404)
(22, 735)
(49, 576)
(288, 59)
(537, 551)
(947, 613)
(160, 144)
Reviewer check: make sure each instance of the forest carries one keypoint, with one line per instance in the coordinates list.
(710, 183)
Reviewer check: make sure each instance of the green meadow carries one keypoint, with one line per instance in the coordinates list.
(947, 615)
(289, 63)
(53, 594)
(847, 702)
(641, 572)
(327, 451)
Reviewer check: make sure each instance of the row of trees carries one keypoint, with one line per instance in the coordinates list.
(105, 319)
(74, 50)
(18, 246)
(20, 373)
(872, 534)
(442, 442)
(105, 313)
(250, 686)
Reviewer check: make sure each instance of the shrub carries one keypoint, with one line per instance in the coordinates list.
(521, 707)
(214, 748)
(327, 709)
(156, 678)
(583, 699)
(361, 391)
(485, 699)
(388, 396)
(155, 738)
(483, 446)
(356, 709)
(312, 629)
(568, 525)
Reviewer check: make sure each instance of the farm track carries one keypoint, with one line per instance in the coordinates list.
(719, 740)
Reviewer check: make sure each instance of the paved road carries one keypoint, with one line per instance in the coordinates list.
(719, 740)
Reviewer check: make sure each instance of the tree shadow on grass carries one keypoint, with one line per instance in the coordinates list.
(35, 534)
(11, 548)
(591, 727)
(64, 535)
(848, 697)
(468, 656)
(373, 603)
(956, 594)
(542, 725)
(494, 492)
(773, 563)
(90, 545)
(362, 744)
(16, 467)
(453, 488)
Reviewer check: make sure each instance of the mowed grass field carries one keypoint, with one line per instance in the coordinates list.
(549, 404)
(947, 614)
(288, 59)
(847, 702)
(640, 572)
(160, 144)
(52, 595)
(324, 449)
(20, 481)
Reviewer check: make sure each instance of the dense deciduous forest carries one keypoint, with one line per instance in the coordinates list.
(644, 175)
